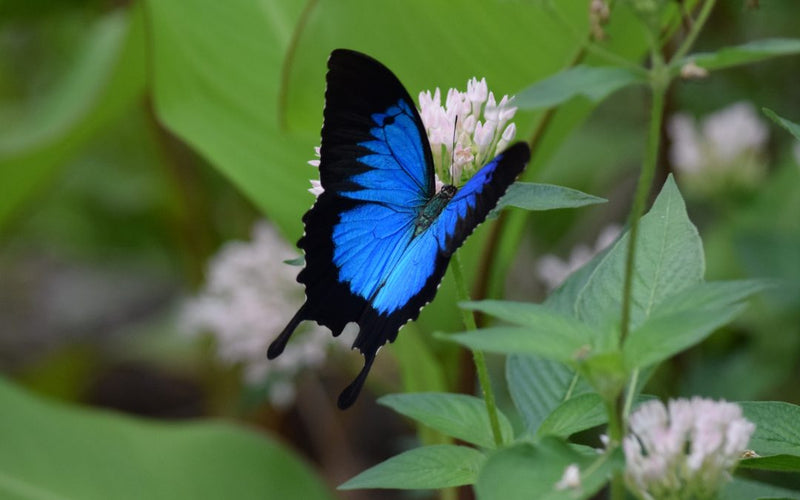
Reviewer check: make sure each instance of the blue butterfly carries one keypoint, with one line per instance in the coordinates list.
(378, 240)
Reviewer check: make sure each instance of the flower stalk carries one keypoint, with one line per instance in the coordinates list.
(477, 356)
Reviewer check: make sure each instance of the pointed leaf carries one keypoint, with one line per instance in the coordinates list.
(538, 385)
(457, 415)
(793, 128)
(747, 53)
(526, 471)
(669, 258)
(531, 196)
(592, 82)
(660, 337)
(429, 467)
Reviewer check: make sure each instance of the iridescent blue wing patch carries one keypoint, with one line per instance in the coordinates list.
(378, 239)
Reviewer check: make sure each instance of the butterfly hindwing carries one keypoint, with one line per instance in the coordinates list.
(368, 259)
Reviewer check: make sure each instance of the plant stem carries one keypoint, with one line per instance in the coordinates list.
(659, 88)
(697, 26)
(477, 356)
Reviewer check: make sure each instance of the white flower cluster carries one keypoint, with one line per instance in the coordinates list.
(460, 141)
(249, 296)
(727, 149)
(552, 271)
(686, 450)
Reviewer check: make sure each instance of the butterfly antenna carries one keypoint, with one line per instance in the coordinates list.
(453, 151)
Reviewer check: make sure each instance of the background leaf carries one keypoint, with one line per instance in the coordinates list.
(53, 451)
(793, 128)
(591, 82)
(747, 53)
(107, 77)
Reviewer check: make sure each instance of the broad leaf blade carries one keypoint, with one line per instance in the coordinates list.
(669, 258)
(429, 467)
(54, 451)
(591, 82)
(526, 471)
(573, 415)
(457, 415)
(660, 337)
(538, 385)
(777, 432)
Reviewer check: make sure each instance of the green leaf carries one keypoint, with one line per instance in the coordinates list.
(429, 467)
(528, 471)
(660, 337)
(546, 333)
(592, 82)
(538, 385)
(458, 415)
(711, 295)
(297, 261)
(777, 432)
(747, 53)
(747, 489)
(573, 415)
(106, 79)
(685, 319)
(793, 128)
(532, 196)
(53, 451)
(669, 258)
(782, 463)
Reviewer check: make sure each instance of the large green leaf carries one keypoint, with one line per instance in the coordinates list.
(51, 451)
(526, 471)
(429, 467)
(532, 196)
(747, 489)
(669, 258)
(457, 415)
(107, 77)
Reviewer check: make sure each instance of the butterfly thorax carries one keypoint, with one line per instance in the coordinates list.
(433, 208)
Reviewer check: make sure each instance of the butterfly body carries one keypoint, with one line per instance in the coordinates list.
(379, 237)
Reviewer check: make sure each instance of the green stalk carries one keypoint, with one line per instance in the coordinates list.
(477, 356)
(618, 407)
(697, 26)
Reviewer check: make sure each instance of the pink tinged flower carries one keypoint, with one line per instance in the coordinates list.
(685, 450)
(316, 188)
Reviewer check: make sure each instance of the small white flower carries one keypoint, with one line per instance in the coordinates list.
(316, 187)
(686, 450)
(725, 150)
(552, 271)
(571, 479)
(248, 297)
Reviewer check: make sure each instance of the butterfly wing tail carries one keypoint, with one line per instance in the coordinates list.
(279, 344)
(351, 392)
